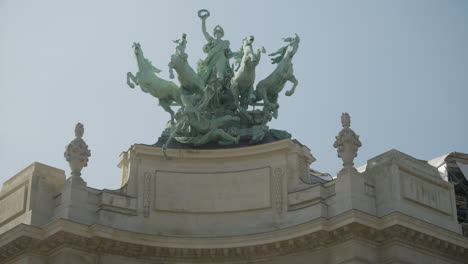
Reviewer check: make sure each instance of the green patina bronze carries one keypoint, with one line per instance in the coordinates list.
(218, 104)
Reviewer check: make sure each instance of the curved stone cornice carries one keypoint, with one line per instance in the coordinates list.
(318, 234)
(243, 152)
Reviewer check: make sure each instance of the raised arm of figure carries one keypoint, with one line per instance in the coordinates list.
(204, 14)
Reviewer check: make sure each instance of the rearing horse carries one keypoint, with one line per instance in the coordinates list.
(244, 78)
(269, 88)
(191, 85)
(167, 92)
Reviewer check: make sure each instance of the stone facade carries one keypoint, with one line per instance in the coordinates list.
(242, 205)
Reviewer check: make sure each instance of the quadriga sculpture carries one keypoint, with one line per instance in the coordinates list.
(217, 106)
(269, 88)
(167, 92)
(244, 78)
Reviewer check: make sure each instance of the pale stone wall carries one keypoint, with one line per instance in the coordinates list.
(28, 197)
(245, 205)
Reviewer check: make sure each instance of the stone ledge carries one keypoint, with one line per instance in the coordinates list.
(244, 152)
(318, 234)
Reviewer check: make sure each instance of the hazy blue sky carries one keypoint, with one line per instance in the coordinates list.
(400, 68)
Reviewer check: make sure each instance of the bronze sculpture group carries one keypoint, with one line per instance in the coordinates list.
(218, 102)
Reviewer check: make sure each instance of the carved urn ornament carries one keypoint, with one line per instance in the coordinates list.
(77, 152)
(347, 143)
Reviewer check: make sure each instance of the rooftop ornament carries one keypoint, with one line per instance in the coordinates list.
(347, 143)
(77, 153)
(218, 105)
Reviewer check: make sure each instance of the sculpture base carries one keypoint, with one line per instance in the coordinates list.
(270, 136)
(245, 188)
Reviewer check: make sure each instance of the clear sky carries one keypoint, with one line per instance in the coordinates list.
(400, 68)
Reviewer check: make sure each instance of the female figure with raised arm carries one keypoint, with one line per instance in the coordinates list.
(216, 65)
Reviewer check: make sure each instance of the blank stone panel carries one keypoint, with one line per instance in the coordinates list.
(13, 203)
(213, 192)
(426, 193)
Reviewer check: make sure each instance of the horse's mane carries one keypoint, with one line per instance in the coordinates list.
(148, 62)
(150, 65)
(280, 52)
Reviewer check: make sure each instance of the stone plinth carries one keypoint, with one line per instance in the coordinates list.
(413, 187)
(196, 192)
(28, 196)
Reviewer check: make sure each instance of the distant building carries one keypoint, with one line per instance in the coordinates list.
(453, 167)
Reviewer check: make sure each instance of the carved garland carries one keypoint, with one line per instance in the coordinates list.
(146, 193)
(278, 190)
(304, 170)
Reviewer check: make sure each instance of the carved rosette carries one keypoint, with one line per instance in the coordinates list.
(77, 152)
(347, 143)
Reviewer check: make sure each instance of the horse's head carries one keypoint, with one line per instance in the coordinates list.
(249, 40)
(136, 48)
(296, 38)
(247, 49)
(293, 46)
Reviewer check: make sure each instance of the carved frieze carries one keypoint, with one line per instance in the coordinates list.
(312, 241)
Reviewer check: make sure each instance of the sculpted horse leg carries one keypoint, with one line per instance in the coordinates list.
(171, 68)
(235, 93)
(165, 104)
(295, 82)
(249, 97)
(246, 98)
(176, 95)
(274, 105)
(133, 78)
(263, 94)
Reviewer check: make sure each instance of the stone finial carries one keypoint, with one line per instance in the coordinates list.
(345, 120)
(79, 130)
(77, 152)
(347, 143)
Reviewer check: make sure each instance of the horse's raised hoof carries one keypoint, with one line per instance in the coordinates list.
(288, 93)
(131, 85)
